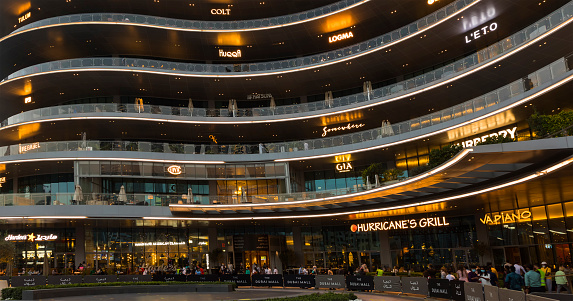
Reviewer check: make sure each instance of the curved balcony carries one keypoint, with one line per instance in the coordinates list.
(253, 69)
(196, 25)
(538, 83)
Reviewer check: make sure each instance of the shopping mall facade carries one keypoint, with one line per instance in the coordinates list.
(176, 133)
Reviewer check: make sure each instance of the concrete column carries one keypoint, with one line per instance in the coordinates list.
(213, 244)
(386, 259)
(482, 237)
(297, 241)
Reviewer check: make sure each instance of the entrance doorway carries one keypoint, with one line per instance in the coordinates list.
(260, 258)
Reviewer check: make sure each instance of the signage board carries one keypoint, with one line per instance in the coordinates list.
(240, 279)
(28, 281)
(267, 280)
(201, 278)
(303, 281)
(340, 37)
(64, 279)
(175, 170)
(2, 181)
(491, 293)
(360, 282)
(494, 219)
(415, 285)
(426, 222)
(134, 278)
(169, 278)
(387, 284)
(457, 290)
(511, 295)
(31, 237)
(100, 278)
(473, 291)
(329, 281)
(474, 35)
(351, 126)
(439, 288)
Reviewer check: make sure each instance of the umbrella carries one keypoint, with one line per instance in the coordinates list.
(78, 194)
(189, 196)
(122, 195)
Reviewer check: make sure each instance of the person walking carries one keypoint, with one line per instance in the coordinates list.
(462, 273)
(533, 280)
(561, 280)
(548, 278)
(514, 281)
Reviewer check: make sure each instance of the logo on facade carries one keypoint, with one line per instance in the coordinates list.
(340, 37)
(28, 147)
(473, 142)
(221, 11)
(24, 17)
(30, 237)
(344, 167)
(175, 170)
(481, 32)
(426, 222)
(223, 53)
(2, 181)
(505, 218)
(350, 126)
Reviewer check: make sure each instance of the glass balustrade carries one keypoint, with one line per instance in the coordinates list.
(499, 96)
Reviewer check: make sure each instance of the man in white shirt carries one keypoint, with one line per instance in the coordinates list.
(276, 271)
(519, 270)
(450, 277)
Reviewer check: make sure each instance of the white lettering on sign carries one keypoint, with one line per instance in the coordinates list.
(340, 37)
(349, 126)
(30, 237)
(28, 147)
(481, 32)
(175, 170)
(344, 167)
(473, 142)
(145, 244)
(221, 11)
(25, 17)
(425, 222)
(259, 96)
(223, 53)
(2, 181)
(505, 218)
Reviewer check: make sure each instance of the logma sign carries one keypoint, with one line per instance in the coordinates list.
(340, 37)
(425, 222)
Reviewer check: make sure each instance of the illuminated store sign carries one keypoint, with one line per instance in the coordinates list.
(31, 237)
(28, 147)
(2, 181)
(221, 11)
(344, 167)
(425, 222)
(340, 37)
(481, 32)
(28, 99)
(259, 96)
(174, 170)
(343, 158)
(223, 53)
(145, 244)
(505, 218)
(473, 142)
(25, 17)
(349, 126)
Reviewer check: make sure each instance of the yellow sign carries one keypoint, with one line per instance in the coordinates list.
(175, 170)
(505, 218)
(343, 158)
(25, 17)
(425, 222)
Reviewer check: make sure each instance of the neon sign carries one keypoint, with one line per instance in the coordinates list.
(24, 17)
(221, 11)
(473, 142)
(223, 53)
(481, 32)
(340, 37)
(349, 126)
(425, 222)
(2, 181)
(344, 167)
(29, 147)
(30, 237)
(505, 218)
(175, 170)
(343, 158)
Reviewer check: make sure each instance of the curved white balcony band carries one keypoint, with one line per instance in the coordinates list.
(543, 81)
(195, 25)
(260, 69)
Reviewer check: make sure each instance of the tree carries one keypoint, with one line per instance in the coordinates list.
(371, 171)
(544, 125)
(392, 174)
(439, 156)
(7, 253)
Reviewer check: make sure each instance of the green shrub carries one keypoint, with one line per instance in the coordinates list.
(440, 156)
(544, 125)
(15, 293)
(371, 171)
(319, 297)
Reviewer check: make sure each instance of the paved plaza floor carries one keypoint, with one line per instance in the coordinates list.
(239, 294)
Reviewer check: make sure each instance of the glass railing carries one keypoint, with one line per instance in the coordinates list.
(449, 71)
(254, 68)
(197, 25)
(503, 95)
